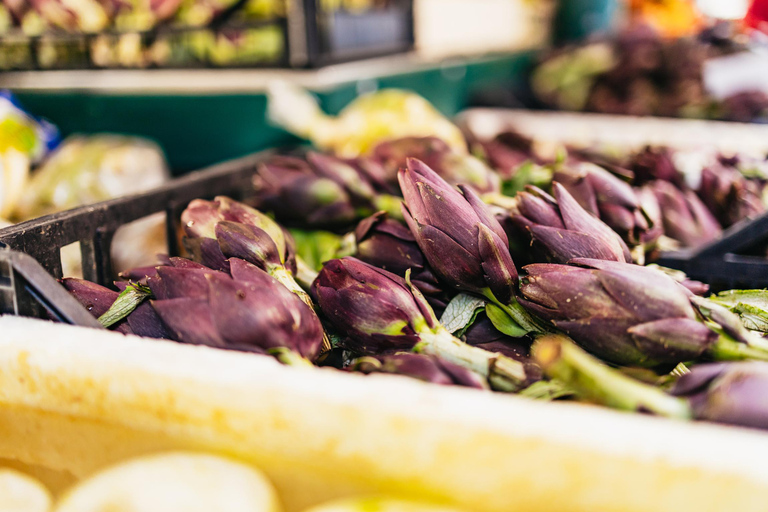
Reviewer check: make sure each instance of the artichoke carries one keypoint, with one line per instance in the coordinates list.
(377, 311)
(561, 229)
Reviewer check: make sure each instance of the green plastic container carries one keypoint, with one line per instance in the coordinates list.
(198, 129)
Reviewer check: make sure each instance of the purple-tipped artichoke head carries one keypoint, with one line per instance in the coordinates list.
(97, 299)
(248, 311)
(459, 236)
(241, 231)
(623, 313)
(345, 175)
(562, 230)
(455, 168)
(654, 163)
(290, 188)
(420, 366)
(732, 393)
(729, 195)
(388, 244)
(612, 200)
(392, 154)
(374, 309)
(685, 218)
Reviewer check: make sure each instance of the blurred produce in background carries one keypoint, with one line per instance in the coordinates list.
(141, 33)
(41, 175)
(643, 71)
(56, 34)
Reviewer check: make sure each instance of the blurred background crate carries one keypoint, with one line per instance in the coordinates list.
(189, 34)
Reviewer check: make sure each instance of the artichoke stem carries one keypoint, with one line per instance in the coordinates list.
(727, 349)
(286, 279)
(592, 380)
(305, 274)
(503, 373)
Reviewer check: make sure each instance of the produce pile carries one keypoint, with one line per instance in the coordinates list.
(508, 273)
(641, 73)
(655, 198)
(139, 33)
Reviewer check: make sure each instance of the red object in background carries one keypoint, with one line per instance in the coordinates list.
(757, 15)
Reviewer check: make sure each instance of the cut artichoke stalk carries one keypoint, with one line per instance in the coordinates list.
(596, 382)
(128, 300)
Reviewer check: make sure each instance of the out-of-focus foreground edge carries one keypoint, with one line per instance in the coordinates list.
(75, 399)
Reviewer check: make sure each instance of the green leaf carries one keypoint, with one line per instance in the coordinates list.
(750, 305)
(316, 247)
(503, 322)
(528, 173)
(461, 312)
(128, 300)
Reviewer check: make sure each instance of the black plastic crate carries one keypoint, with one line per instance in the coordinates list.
(737, 259)
(338, 35)
(30, 252)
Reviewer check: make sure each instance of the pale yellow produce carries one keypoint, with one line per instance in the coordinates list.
(77, 400)
(21, 493)
(368, 120)
(379, 504)
(177, 482)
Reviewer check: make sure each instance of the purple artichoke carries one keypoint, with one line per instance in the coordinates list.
(248, 310)
(504, 159)
(97, 299)
(729, 195)
(654, 163)
(244, 233)
(388, 244)
(377, 311)
(419, 366)
(732, 393)
(455, 168)
(561, 229)
(623, 313)
(612, 200)
(685, 218)
(745, 106)
(291, 189)
(241, 231)
(325, 191)
(462, 241)
(374, 308)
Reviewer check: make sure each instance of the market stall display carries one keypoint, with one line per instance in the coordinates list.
(639, 72)
(585, 236)
(190, 33)
(508, 310)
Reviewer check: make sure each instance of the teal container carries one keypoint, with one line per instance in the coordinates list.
(578, 19)
(197, 129)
